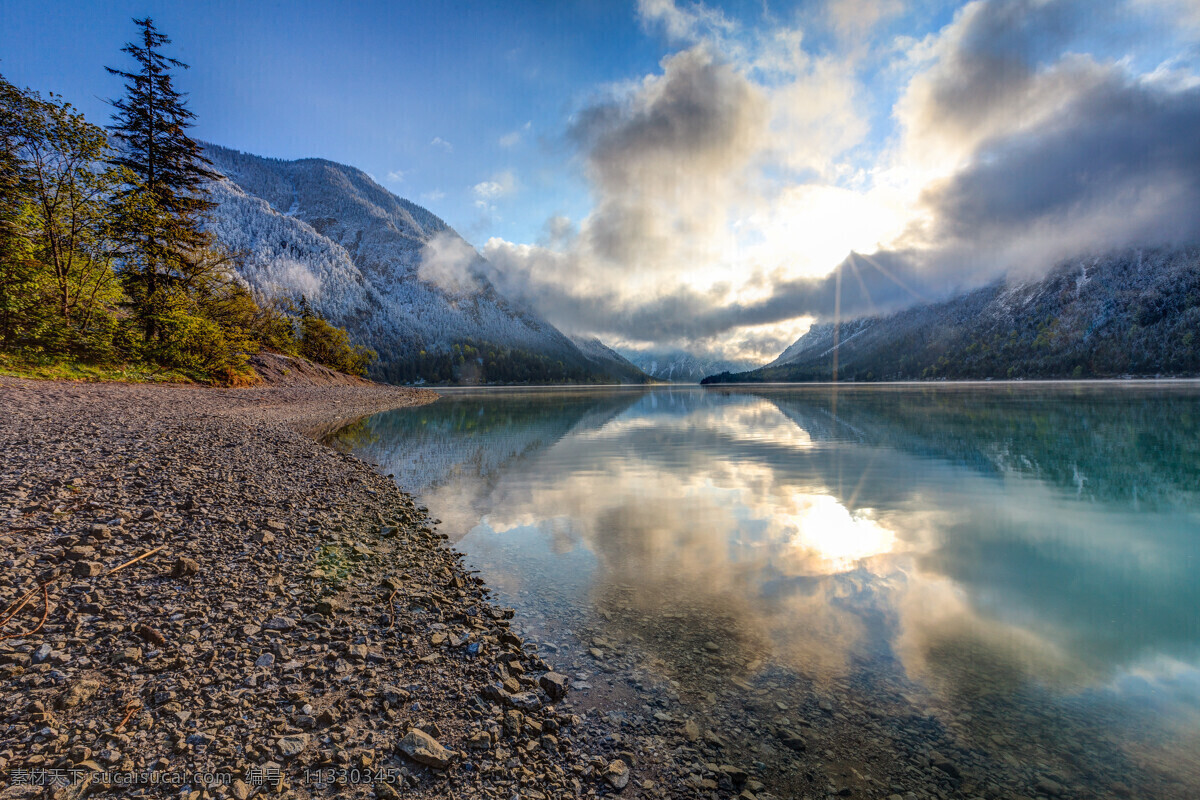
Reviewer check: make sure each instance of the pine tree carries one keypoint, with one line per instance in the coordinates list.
(18, 270)
(162, 210)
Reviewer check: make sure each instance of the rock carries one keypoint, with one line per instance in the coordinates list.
(424, 749)
(326, 608)
(87, 569)
(616, 774)
(239, 789)
(555, 685)
(265, 660)
(151, 636)
(792, 740)
(80, 552)
(526, 701)
(291, 746)
(130, 655)
(1049, 786)
(481, 740)
(275, 525)
(280, 624)
(358, 652)
(712, 647)
(185, 568)
(42, 653)
(78, 694)
(264, 537)
(691, 731)
(947, 767)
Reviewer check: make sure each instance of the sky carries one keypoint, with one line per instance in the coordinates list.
(710, 176)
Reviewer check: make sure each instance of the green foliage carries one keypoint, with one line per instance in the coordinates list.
(160, 209)
(325, 344)
(105, 268)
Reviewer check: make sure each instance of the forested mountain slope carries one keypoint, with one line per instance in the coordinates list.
(1131, 313)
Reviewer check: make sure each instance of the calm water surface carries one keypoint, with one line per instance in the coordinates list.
(1005, 573)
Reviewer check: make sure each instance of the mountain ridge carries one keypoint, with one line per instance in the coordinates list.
(1130, 312)
(357, 253)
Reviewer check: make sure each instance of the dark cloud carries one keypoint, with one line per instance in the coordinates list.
(1121, 147)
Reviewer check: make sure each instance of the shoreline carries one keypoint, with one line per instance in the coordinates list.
(220, 593)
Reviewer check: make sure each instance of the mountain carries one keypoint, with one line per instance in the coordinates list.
(1135, 312)
(610, 361)
(678, 366)
(361, 258)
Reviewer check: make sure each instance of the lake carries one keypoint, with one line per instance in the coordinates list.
(954, 590)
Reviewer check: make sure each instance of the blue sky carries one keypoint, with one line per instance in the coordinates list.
(372, 84)
(668, 173)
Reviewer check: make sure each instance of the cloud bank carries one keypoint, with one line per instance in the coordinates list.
(730, 185)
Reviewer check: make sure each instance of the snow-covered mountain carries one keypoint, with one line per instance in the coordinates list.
(1133, 312)
(396, 276)
(678, 366)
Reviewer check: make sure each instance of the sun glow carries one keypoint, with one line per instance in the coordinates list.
(824, 528)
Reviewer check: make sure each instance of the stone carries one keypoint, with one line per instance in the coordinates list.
(78, 694)
(80, 552)
(280, 624)
(291, 746)
(358, 652)
(185, 568)
(691, 731)
(526, 701)
(87, 569)
(42, 653)
(481, 740)
(265, 660)
(151, 635)
(424, 749)
(792, 740)
(616, 774)
(1049, 786)
(554, 684)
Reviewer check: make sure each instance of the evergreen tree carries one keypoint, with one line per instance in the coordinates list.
(19, 306)
(161, 211)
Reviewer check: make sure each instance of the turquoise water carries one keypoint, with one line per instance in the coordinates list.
(1015, 565)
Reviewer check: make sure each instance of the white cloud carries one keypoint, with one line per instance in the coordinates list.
(499, 185)
(514, 138)
(396, 176)
(449, 262)
(433, 196)
(442, 144)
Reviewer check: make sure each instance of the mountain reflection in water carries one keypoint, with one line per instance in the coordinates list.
(992, 549)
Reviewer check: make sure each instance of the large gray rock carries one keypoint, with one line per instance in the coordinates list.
(424, 749)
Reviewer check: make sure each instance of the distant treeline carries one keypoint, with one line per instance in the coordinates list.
(472, 362)
(104, 256)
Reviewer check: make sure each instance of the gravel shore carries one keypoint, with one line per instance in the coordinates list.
(202, 601)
